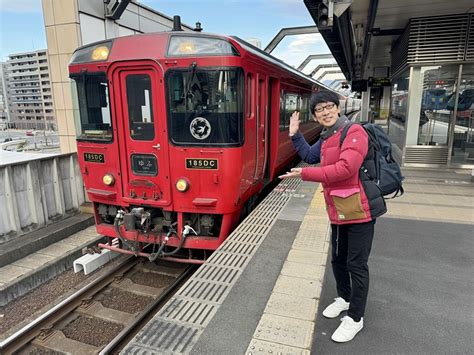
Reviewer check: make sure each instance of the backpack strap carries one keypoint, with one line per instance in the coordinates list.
(341, 140)
(345, 129)
(397, 193)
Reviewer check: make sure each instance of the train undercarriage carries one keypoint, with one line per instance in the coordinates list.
(155, 233)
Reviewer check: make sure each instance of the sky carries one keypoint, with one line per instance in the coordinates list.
(22, 25)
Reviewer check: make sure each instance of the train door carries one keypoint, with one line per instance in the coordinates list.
(261, 124)
(143, 143)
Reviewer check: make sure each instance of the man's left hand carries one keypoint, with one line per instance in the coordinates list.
(295, 172)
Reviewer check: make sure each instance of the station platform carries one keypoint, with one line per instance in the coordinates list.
(264, 290)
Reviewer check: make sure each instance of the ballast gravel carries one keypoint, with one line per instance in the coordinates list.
(121, 300)
(92, 331)
(26, 306)
(151, 279)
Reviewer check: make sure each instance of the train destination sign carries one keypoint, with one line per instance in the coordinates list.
(94, 157)
(144, 164)
(203, 164)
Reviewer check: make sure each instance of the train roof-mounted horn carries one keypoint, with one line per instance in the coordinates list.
(177, 23)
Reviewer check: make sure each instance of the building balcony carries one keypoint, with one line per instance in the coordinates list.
(19, 95)
(25, 80)
(24, 87)
(30, 101)
(22, 67)
(17, 75)
(21, 59)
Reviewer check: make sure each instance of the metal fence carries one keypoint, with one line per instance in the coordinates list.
(37, 192)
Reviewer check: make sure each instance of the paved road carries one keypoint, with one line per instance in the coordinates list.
(41, 138)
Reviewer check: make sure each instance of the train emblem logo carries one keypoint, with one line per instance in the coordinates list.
(200, 128)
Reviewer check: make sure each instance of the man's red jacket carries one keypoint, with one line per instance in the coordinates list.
(346, 199)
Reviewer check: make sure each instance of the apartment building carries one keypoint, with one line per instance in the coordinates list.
(3, 98)
(28, 91)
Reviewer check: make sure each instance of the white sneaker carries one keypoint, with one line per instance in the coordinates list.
(335, 308)
(347, 330)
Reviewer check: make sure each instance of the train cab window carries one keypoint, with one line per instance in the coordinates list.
(91, 107)
(140, 110)
(205, 106)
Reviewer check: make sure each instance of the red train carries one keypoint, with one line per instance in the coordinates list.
(177, 133)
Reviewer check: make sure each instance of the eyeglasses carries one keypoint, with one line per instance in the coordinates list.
(322, 108)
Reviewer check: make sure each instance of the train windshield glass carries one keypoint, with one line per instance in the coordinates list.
(205, 106)
(91, 107)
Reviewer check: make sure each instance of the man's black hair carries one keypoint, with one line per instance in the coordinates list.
(322, 96)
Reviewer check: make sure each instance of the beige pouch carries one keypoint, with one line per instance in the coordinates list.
(348, 204)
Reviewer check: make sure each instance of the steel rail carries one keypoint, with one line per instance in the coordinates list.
(28, 332)
(118, 341)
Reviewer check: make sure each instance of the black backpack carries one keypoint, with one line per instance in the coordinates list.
(379, 165)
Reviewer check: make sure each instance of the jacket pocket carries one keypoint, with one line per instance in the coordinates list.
(348, 204)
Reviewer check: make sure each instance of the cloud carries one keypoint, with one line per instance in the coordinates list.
(20, 6)
(301, 43)
(294, 49)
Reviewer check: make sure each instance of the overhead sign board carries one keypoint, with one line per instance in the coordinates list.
(359, 85)
(378, 82)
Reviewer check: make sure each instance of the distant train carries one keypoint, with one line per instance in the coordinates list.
(434, 99)
(178, 133)
(399, 105)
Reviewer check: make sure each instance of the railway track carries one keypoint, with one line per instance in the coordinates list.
(105, 314)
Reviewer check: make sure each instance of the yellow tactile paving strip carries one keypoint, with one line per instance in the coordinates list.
(288, 322)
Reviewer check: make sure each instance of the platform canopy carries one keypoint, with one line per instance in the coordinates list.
(360, 33)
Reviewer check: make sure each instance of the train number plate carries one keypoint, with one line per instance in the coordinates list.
(204, 164)
(94, 157)
(144, 164)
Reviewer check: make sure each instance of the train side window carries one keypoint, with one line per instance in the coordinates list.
(282, 110)
(140, 108)
(299, 105)
(291, 105)
(249, 96)
(309, 116)
(301, 109)
(304, 109)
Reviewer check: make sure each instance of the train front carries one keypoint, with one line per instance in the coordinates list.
(160, 136)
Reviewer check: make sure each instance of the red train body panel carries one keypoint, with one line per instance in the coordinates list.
(159, 113)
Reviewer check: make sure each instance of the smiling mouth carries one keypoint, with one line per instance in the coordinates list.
(327, 120)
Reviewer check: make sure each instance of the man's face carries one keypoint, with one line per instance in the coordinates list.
(326, 113)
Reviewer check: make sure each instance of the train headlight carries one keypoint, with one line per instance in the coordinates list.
(108, 179)
(100, 53)
(182, 185)
(186, 45)
(186, 48)
(94, 53)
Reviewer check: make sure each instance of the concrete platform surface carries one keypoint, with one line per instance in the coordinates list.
(419, 299)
